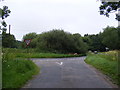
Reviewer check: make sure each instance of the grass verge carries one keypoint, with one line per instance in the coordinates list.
(45, 55)
(16, 72)
(23, 53)
(107, 64)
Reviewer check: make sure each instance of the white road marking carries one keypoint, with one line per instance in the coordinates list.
(59, 63)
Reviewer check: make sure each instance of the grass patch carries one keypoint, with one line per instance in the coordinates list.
(45, 55)
(16, 72)
(107, 64)
(23, 53)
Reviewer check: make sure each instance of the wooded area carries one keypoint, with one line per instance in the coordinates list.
(59, 41)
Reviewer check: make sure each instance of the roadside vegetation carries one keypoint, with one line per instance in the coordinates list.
(16, 71)
(107, 63)
(32, 53)
(57, 43)
(46, 55)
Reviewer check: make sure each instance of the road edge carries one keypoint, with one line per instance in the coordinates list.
(105, 77)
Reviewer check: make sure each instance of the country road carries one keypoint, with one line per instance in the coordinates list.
(67, 73)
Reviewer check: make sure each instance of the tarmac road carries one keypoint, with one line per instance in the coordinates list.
(67, 73)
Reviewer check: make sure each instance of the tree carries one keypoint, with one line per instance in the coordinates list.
(61, 42)
(55, 41)
(87, 40)
(8, 40)
(4, 13)
(31, 36)
(18, 44)
(79, 45)
(94, 42)
(109, 7)
(118, 30)
(111, 38)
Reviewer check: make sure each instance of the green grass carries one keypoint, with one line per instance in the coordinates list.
(16, 71)
(45, 55)
(23, 53)
(106, 64)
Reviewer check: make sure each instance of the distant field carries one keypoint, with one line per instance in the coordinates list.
(23, 53)
(108, 63)
(45, 55)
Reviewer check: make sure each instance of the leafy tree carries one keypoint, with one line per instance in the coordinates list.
(80, 46)
(31, 36)
(18, 44)
(87, 40)
(4, 13)
(109, 7)
(60, 41)
(111, 38)
(8, 40)
(55, 40)
(94, 42)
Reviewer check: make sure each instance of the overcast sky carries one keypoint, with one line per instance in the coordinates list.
(74, 16)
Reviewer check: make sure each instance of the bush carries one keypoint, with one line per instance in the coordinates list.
(61, 42)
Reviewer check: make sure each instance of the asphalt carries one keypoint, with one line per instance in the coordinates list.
(66, 73)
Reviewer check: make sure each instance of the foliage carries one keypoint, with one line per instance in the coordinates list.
(79, 45)
(4, 13)
(31, 36)
(57, 41)
(8, 41)
(32, 53)
(46, 55)
(18, 50)
(108, 7)
(18, 44)
(112, 55)
(105, 63)
(110, 38)
(16, 71)
(94, 42)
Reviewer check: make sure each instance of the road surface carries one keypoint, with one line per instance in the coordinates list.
(67, 73)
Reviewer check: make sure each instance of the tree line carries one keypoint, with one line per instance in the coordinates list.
(64, 42)
(109, 38)
(56, 41)
(59, 41)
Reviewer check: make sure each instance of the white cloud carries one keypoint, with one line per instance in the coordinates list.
(50, 1)
(74, 16)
